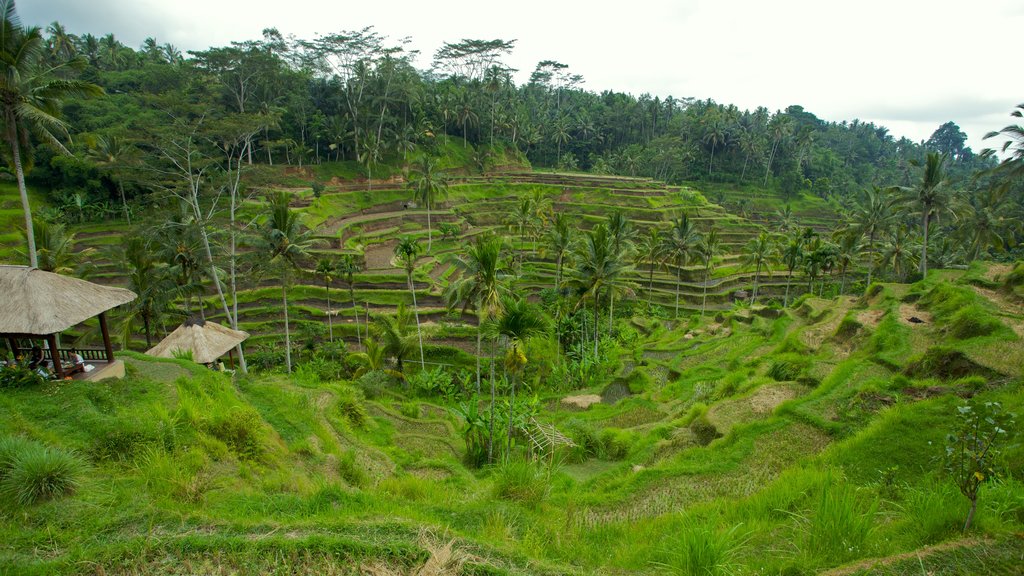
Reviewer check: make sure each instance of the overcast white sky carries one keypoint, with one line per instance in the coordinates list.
(910, 65)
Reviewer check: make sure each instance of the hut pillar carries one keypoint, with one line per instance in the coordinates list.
(13, 343)
(106, 337)
(58, 368)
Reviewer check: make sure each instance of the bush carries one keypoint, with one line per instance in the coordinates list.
(350, 406)
(973, 321)
(521, 481)
(373, 384)
(18, 376)
(351, 471)
(585, 437)
(121, 440)
(703, 430)
(700, 550)
(615, 443)
(32, 473)
(639, 381)
(239, 428)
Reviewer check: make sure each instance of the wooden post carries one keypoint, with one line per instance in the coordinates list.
(231, 358)
(13, 343)
(106, 337)
(58, 368)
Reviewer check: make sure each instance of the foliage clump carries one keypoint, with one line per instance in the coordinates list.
(240, 429)
(31, 473)
(945, 363)
(521, 481)
(973, 321)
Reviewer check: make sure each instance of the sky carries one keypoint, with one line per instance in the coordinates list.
(910, 65)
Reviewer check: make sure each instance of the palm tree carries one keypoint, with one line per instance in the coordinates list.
(560, 237)
(518, 321)
(481, 284)
(428, 185)
(394, 337)
(406, 252)
(791, 254)
(708, 248)
(522, 218)
(930, 197)
(62, 44)
(599, 268)
(651, 251)
(758, 253)
(148, 278)
(326, 269)
(898, 252)
(55, 247)
(787, 221)
(622, 231)
(30, 101)
(113, 153)
(873, 216)
(780, 127)
(283, 244)
(1011, 168)
(986, 218)
(680, 247)
(347, 266)
(848, 248)
(715, 135)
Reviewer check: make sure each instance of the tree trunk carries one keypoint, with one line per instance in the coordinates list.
(490, 431)
(597, 323)
(871, 256)
(511, 414)
(429, 232)
(712, 162)
(416, 313)
(704, 301)
(330, 320)
(924, 244)
(679, 281)
(352, 294)
(287, 333)
(479, 352)
(30, 234)
(558, 271)
(124, 202)
(757, 276)
(970, 514)
(789, 278)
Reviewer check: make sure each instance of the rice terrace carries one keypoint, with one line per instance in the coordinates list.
(326, 305)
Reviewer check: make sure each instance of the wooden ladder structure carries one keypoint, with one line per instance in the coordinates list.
(544, 439)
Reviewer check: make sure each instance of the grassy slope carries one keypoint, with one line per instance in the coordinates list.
(829, 456)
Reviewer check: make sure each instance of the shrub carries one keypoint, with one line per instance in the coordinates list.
(700, 550)
(615, 443)
(239, 428)
(639, 381)
(703, 430)
(18, 376)
(10, 448)
(350, 406)
(973, 321)
(375, 383)
(37, 473)
(521, 481)
(351, 471)
(585, 437)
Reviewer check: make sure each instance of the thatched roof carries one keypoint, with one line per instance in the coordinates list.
(36, 302)
(207, 341)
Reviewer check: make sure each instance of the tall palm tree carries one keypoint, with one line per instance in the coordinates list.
(781, 127)
(325, 270)
(987, 217)
(680, 247)
(522, 218)
(30, 101)
(622, 230)
(599, 269)
(283, 245)
(481, 284)
(347, 266)
(708, 248)
(898, 252)
(791, 254)
(517, 321)
(113, 153)
(848, 247)
(55, 247)
(407, 251)
(148, 278)
(652, 251)
(715, 135)
(758, 253)
(873, 216)
(1011, 168)
(428, 185)
(560, 237)
(929, 198)
(393, 334)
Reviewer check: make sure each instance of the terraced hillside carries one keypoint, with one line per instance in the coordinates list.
(348, 218)
(792, 441)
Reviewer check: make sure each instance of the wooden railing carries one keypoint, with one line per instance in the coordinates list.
(87, 354)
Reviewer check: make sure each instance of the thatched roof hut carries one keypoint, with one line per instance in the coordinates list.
(39, 305)
(207, 341)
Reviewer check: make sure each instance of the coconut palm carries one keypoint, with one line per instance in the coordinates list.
(929, 198)
(522, 218)
(149, 279)
(708, 248)
(55, 247)
(283, 244)
(680, 247)
(898, 252)
(986, 219)
(651, 251)
(599, 269)
(623, 232)
(30, 101)
(325, 270)
(347, 266)
(113, 153)
(758, 253)
(395, 340)
(791, 254)
(428, 185)
(517, 321)
(848, 248)
(407, 251)
(1011, 168)
(873, 216)
(560, 237)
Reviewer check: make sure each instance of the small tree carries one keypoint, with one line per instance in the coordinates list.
(973, 446)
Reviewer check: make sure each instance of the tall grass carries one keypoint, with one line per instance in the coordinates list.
(840, 527)
(521, 481)
(700, 550)
(31, 473)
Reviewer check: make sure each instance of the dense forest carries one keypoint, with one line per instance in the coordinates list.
(357, 96)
